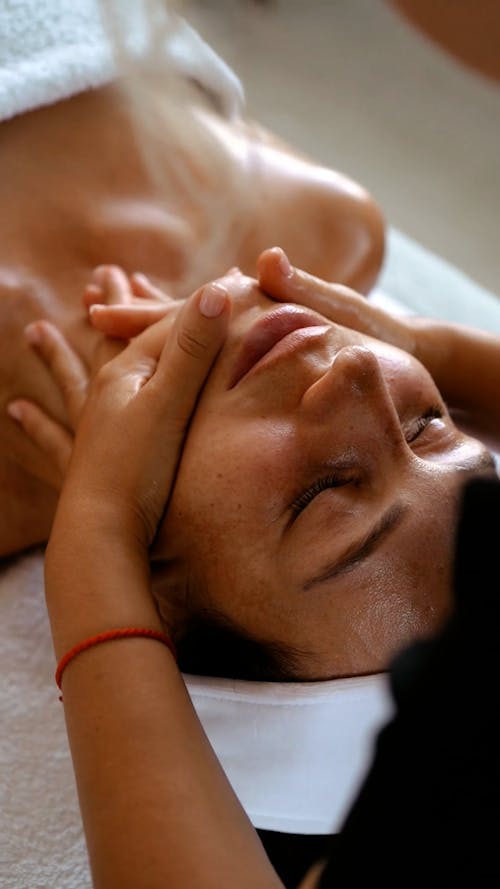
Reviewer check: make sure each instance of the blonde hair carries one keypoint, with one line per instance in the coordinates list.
(200, 173)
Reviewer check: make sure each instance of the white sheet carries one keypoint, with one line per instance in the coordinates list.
(41, 840)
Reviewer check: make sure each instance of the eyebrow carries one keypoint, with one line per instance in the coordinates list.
(382, 529)
(359, 551)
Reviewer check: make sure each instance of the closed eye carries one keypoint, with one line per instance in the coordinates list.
(321, 484)
(419, 425)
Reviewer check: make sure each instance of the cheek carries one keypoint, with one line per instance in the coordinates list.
(234, 470)
(214, 520)
(410, 591)
(222, 518)
(405, 596)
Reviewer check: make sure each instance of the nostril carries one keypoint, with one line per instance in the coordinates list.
(355, 388)
(358, 366)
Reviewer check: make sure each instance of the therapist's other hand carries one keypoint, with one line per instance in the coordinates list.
(133, 425)
(125, 307)
(71, 378)
(284, 283)
(122, 306)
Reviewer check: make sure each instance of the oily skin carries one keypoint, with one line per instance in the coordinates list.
(230, 540)
(75, 193)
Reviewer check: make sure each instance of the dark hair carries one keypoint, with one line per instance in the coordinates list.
(212, 645)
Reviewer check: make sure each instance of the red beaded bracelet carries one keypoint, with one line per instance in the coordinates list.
(107, 636)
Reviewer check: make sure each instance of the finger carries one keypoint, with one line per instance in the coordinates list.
(114, 283)
(64, 365)
(336, 302)
(169, 338)
(125, 322)
(188, 354)
(286, 283)
(92, 295)
(50, 437)
(175, 359)
(143, 288)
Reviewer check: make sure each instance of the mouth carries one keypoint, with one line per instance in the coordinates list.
(279, 332)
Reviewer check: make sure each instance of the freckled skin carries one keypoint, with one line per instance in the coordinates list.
(253, 448)
(76, 192)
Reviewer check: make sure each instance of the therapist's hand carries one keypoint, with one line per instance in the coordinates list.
(122, 306)
(132, 428)
(285, 283)
(463, 361)
(71, 377)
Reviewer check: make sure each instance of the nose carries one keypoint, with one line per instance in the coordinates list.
(354, 396)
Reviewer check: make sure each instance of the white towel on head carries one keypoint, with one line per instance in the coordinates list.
(53, 49)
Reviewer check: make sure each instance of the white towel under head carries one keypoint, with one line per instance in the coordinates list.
(53, 49)
(295, 753)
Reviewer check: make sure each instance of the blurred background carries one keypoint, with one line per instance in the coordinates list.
(403, 95)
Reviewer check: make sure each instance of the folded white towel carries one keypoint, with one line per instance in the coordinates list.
(53, 49)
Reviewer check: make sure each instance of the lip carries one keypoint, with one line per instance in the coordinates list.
(267, 332)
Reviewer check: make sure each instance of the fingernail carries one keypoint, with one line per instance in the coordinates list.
(32, 334)
(96, 309)
(94, 289)
(99, 272)
(14, 410)
(284, 264)
(213, 299)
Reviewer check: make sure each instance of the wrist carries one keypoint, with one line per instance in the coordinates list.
(110, 636)
(93, 520)
(95, 583)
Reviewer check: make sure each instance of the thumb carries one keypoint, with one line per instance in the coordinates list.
(190, 350)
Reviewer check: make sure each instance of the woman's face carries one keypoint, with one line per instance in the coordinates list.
(316, 496)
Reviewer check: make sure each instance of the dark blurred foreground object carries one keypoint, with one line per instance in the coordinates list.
(468, 29)
(428, 814)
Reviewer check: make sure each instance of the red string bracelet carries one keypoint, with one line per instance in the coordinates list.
(107, 636)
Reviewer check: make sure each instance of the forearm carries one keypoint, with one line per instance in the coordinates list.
(156, 806)
(465, 364)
